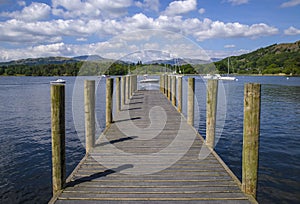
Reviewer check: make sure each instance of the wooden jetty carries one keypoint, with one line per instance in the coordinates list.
(148, 153)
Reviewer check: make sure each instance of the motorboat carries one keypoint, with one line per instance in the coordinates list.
(147, 80)
(219, 77)
(58, 81)
(212, 76)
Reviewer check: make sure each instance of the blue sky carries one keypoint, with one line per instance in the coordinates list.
(114, 29)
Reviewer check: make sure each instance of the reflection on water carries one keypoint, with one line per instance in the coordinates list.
(25, 135)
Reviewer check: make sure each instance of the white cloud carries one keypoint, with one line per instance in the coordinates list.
(15, 31)
(290, 3)
(90, 8)
(292, 31)
(238, 2)
(180, 7)
(216, 29)
(34, 12)
(148, 4)
(229, 46)
(201, 10)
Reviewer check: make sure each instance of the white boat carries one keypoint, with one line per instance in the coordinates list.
(228, 78)
(58, 81)
(146, 80)
(219, 77)
(211, 76)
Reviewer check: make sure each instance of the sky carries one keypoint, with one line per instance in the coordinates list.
(152, 28)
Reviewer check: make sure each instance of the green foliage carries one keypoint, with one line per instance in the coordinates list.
(274, 59)
(67, 69)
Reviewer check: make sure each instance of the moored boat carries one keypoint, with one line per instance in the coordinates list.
(58, 81)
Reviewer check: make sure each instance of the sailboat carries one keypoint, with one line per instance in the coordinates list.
(229, 78)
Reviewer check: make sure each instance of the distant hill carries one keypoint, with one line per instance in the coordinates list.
(54, 60)
(179, 61)
(274, 59)
(89, 58)
(40, 61)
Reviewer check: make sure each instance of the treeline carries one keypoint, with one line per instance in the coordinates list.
(92, 68)
(274, 59)
(68, 69)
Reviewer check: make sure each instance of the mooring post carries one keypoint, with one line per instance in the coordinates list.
(169, 87)
(135, 83)
(89, 109)
(251, 138)
(123, 79)
(179, 97)
(173, 94)
(211, 111)
(118, 94)
(166, 85)
(58, 137)
(161, 82)
(109, 97)
(127, 89)
(190, 100)
(130, 86)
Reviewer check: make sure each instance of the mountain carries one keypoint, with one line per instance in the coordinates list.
(274, 59)
(89, 58)
(178, 61)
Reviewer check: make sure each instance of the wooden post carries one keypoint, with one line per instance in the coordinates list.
(130, 86)
(118, 94)
(127, 90)
(251, 138)
(89, 109)
(169, 88)
(190, 101)
(211, 111)
(135, 83)
(173, 94)
(161, 80)
(58, 137)
(123, 80)
(109, 93)
(166, 85)
(179, 97)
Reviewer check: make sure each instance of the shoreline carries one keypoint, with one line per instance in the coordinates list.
(258, 75)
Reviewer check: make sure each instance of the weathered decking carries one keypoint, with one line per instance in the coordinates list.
(138, 161)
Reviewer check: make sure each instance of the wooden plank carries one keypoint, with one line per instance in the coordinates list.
(107, 176)
(232, 201)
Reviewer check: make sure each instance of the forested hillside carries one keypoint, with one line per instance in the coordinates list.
(274, 59)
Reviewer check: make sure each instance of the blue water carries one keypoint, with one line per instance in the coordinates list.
(25, 135)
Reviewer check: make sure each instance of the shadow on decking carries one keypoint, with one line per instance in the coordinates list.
(131, 109)
(116, 141)
(99, 175)
(133, 97)
(123, 120)
(138, 102)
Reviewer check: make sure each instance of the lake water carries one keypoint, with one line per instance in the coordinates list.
(25, 135)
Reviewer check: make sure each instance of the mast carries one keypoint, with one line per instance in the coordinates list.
(228, 66)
